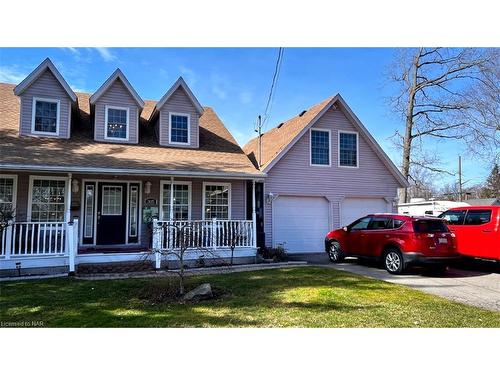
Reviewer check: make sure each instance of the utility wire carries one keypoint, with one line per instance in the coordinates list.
(274, 83)
(261, 120)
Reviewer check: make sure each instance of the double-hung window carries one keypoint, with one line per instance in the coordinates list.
(7, 193)
(47, 199)
(117, 123)
(181, 200)
(45, 116)
(348, 149)
(179, 128)
(217, 200)
(320, 147)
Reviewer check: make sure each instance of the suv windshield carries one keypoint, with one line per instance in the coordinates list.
(429, 226)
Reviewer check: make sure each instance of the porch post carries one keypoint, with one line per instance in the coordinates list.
(156, 243)
(8, 238)
(70, 240)
(254, 217)
(68, 199)
(171, 218)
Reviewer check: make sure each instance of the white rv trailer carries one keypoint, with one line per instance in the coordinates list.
(421, 207)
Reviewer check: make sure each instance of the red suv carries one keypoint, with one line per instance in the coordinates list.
(397, 240)
(477, 229)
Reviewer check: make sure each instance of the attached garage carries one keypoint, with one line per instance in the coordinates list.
(301, 223)
(354, 208)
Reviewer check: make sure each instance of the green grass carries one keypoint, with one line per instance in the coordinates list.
(292, 297)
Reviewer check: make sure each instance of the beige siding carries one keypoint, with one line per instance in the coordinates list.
(179, 102)
(293, 174)
(117, 95)
(46, 86)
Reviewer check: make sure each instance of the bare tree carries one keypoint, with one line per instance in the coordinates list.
(6, 216)
(237, 234)
(445, 94)
(179, 238)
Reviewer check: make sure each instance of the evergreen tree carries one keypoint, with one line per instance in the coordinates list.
(492, 188)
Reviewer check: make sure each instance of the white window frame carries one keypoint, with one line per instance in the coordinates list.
(30, 193)
(106, 108)
(357, 149)
(33, 113)
(229, 201)
(84, 208)
(14, 188)
(329, 147)
(129, 211)
(168, 182)
(170, 114)
(121, 200)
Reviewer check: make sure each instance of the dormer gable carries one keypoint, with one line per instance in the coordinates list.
(176, 117)
(116, 107)
(46, 103)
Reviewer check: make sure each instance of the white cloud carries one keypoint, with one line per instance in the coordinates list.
(219, 92)
(11, 74)
(106, 54)
(189, 75)
(220, 85)
(246, 97)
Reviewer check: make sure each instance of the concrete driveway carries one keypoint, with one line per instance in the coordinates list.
(474, 283)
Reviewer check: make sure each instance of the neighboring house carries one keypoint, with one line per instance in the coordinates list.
(324, 170)
(109, 162)
(483, 202)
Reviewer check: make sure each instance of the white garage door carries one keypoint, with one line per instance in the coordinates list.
(354, 208)
(301, 223)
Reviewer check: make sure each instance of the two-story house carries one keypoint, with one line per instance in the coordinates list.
(94, 178)
(323, 170)
(85, 174)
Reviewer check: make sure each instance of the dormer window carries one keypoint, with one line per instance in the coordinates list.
(117, 123)
(45, 116)
(179, 128)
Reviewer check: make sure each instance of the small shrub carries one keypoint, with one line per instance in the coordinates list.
(278, 253)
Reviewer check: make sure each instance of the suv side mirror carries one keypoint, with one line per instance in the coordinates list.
(345, 229)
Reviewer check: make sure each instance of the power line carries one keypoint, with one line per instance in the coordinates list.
(274, 82)
(261, 120)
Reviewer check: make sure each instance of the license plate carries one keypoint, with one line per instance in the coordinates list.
(442, 240)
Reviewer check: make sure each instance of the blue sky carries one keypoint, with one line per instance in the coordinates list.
(236, 82)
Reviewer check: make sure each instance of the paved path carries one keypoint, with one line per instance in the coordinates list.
(475, 284)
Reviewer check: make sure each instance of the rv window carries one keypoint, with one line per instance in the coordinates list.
(429, 212)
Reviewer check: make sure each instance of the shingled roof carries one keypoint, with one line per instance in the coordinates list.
(277, 139)
(276, 142)
(218, 155)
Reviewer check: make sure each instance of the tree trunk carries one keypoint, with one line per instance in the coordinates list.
(405, 165)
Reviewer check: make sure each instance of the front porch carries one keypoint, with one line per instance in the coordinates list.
(65, 220)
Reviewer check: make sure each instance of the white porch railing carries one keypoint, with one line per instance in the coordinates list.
(201, 234)
(36, 239)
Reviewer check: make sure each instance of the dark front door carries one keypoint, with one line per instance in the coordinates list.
(111, 213)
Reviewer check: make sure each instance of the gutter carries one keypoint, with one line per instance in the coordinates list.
(139, 172)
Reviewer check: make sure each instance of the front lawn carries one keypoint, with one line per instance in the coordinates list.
(292, 297)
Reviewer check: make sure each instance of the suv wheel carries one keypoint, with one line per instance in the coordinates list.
(335, 252)
(393, 261)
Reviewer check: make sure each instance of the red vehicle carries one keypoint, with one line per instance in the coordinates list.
(477, 229)
(397, 240)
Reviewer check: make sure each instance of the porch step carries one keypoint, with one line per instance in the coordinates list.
(115, 267)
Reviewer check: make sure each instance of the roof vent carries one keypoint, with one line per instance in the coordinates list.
(280, 125)
(302, 113)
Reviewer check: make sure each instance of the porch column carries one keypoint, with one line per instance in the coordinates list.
(171, 199)
(254, 217)
(68, 199)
